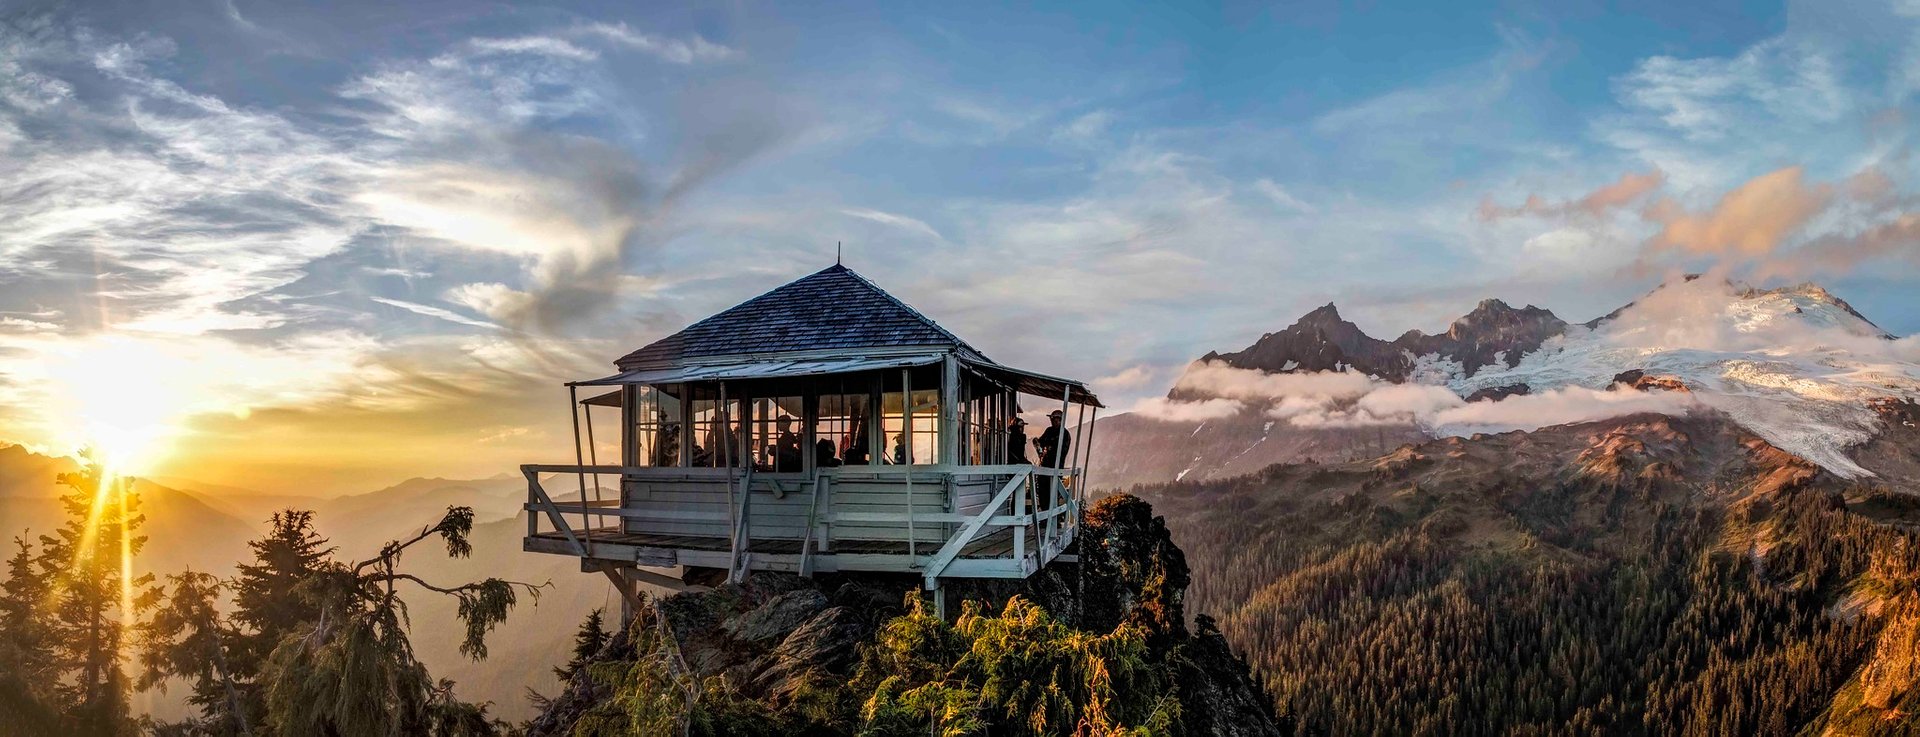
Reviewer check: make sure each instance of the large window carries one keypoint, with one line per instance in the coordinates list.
(711, 446)
(983, 428)
(656, 425)
(912, 429)
(843, 429)
(779, 435)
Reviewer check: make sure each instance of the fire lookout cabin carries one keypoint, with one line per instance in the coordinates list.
(824, 426)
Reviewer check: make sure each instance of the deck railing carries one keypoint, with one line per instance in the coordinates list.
(1044, 513)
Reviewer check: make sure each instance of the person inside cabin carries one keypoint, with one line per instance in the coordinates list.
(856, 454)
(900, 457)
(786, 448)
(823, 456)
(666, 450)
(1017, 442)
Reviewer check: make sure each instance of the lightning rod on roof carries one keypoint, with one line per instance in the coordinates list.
(836, 253)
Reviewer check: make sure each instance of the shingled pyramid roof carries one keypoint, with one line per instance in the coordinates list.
(833, 308)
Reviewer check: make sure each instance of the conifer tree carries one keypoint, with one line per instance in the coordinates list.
(25, 641)
(186, 636)
(94, 594)
(268, 604)
(26, 660)
(586, 644)
(352, 670)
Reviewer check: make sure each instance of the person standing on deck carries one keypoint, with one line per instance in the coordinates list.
(1017, 442)
(1054, 443)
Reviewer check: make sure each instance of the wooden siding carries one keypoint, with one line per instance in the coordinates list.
(695, 504)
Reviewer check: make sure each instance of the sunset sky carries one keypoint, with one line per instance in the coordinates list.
(317, 249)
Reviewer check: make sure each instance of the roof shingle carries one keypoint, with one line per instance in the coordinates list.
(831, 308)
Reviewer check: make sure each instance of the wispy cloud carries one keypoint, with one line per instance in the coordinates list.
(436, 312)
(690, 50)
(912, 225)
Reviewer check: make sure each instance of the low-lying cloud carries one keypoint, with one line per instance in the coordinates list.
(1161, 408)
(1345, 399)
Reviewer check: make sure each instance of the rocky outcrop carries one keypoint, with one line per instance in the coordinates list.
(777, 617)
(1497, 393)
(1639, 380)
(782, 654)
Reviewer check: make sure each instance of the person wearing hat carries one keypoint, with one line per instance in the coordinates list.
(1054, 442)
(1017, 441)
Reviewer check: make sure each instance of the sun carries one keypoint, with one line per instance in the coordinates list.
(124, 399)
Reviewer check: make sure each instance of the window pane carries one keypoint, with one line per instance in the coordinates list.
(711, 446)
(925, 436)
(778, 438)
(842, 430)
(656, 426)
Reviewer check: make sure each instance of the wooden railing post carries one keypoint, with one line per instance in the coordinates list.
(1020, 531)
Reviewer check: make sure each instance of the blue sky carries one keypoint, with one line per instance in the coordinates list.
(397, 226)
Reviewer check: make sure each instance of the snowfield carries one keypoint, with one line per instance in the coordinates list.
(1796, 366)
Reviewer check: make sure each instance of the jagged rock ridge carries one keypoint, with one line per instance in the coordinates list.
(1321, 340)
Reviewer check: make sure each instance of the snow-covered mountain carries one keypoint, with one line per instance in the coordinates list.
(1797, 366)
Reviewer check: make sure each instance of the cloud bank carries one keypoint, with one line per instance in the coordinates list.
(1331, 400)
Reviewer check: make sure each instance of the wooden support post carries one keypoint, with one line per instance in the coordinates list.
(1059, 458)
(813, 521)
(906, 450)
(1020, 530)
(586, 521)
(723, 417)
(950, 412)
(629, 597)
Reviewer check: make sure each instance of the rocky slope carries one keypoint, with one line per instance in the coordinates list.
(1096, 648)
(1641, 574)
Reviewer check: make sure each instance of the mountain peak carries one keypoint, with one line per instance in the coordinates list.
(1326, 314)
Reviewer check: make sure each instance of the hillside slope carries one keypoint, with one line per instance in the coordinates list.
(1646, 574)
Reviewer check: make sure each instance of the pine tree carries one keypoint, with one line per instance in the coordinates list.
(26, 659)
(352, 670)
(24, 639)
(586, 644)
(268, 604)
(94, 595)
(186, 636)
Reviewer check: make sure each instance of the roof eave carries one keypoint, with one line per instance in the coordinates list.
(961, 351)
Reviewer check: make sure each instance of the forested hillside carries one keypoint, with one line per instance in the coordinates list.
(1640, 575)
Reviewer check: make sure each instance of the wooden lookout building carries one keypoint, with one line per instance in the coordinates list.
(824, 426)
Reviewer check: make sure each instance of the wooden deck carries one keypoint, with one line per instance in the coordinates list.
(998, 544)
